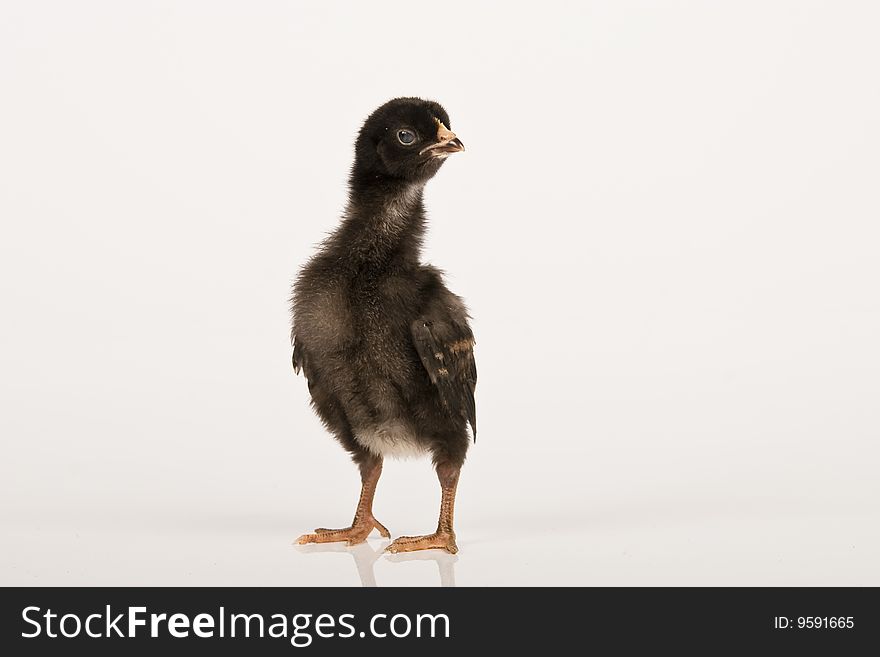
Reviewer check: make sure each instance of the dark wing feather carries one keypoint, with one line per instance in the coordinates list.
(446, 349)
(300, 362)
(298, 356)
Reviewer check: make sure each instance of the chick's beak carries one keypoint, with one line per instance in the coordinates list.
(454, 145)
(446, 143)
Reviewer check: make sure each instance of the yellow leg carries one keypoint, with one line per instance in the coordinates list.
(444, 537)
(363, 522)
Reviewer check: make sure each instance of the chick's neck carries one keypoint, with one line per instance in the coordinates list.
(384, 225)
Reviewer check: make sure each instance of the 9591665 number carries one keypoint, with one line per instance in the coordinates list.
(814, 622)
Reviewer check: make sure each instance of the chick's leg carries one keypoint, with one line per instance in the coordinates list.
(363, 522)
(444, 537)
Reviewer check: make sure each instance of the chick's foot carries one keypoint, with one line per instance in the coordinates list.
(353, 535)
(437, 540)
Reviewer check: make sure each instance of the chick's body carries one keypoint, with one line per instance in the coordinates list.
(354, 337)
(385, 346)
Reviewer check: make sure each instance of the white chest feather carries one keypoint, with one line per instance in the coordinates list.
(390, 440)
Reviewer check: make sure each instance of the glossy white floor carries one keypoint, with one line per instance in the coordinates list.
(575, 533)
(659, 547)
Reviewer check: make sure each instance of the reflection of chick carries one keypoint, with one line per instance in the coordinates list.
(365, 559)
(385, 347)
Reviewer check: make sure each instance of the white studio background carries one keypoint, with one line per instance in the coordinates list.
(665, 225)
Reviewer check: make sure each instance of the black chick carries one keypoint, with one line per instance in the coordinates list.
(385, 347)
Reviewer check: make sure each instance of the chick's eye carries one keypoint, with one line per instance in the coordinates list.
(406, 137)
